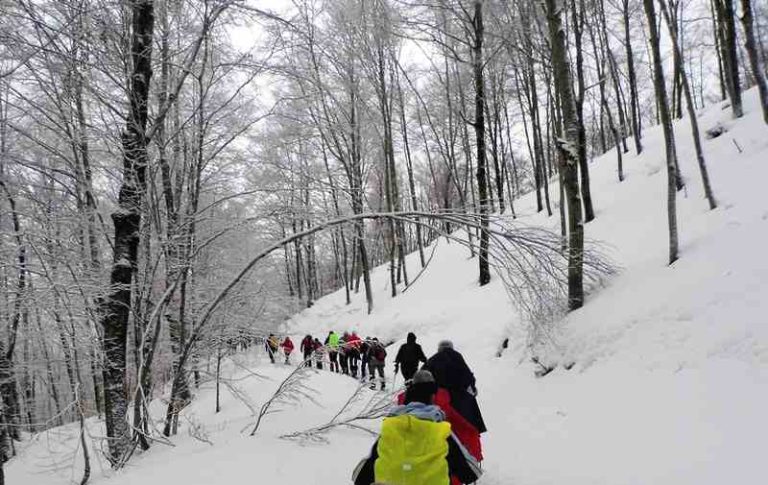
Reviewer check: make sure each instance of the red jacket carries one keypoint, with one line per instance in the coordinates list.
(287, 345)
(463, 429)
(354, 342)
(307, 345)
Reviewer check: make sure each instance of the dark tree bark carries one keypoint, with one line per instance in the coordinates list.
(718, 50)
(8, 384)
(754, 58)
(479, 125)
(727, 29)
(633, 101)
(568, 147)
(409, 168)
(390, 176)
(577, 12)
(114, 309)
(341, 234)
(600, 64)
(691, 108)
(669, 135)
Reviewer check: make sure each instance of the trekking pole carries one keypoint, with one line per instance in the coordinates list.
(394, 382)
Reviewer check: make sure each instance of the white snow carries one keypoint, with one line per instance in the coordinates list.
(670, 382)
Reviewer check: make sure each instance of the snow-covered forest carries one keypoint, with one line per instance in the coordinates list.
(570, 190)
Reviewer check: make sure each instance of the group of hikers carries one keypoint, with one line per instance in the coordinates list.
(347, 354)
(432, 435)
(273, 345)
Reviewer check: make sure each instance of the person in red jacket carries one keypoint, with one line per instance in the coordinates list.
(307, 347)
(353, 353)
(465, 432)
(287, 346)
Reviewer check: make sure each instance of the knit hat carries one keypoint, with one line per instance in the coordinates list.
(444, 344)
(421, 388)
(422, 377)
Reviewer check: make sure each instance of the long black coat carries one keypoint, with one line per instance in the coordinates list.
(410, 354)
(452, 373)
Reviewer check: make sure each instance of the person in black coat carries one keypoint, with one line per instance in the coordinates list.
(453, 374)
(409, 356)
(307, 347)
(365, 356)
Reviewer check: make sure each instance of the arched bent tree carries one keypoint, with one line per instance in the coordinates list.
(529, 261)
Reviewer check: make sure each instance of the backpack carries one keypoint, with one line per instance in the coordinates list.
(379, 353)
(412, 451)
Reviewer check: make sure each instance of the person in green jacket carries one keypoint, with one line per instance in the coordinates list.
(332, 342)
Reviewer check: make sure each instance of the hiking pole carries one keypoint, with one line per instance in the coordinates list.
(394, 382)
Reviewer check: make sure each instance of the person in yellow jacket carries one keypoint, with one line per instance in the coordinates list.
(416, 446)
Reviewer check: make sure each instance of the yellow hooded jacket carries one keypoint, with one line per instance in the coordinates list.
(416, 447)
(412, 451)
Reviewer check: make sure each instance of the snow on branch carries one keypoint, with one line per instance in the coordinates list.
(291, 392)
(350, 415)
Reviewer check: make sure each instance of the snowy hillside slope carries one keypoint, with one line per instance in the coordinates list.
(708, 303)
(670, 382)
(669, 386)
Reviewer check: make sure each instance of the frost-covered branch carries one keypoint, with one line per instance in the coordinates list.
(290, 392)
(350, 415)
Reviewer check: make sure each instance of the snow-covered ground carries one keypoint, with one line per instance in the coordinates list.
(670, 382)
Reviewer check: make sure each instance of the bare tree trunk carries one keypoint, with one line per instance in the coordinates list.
(569, 154)
(356, 186)
(669, 135)
(600, 64)
(390, 181)
(577, 12)
(114, 309)
(479, 124)
(679, 62)
(634, 101)
(494, 127)
(534, 139)
(347, 275)
(218, 377)
(409, 167)
(8, 383)
(727, 29)
(754, 58)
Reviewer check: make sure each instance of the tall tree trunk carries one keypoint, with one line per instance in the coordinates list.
(390, 181)
(754, 58)
(569, 153)
(340, 231)
(356, 186)
(727, 29)
(634, 101)
(669, 135)
(601, 73)
(9, 395)
(479, 124)
(495, 133)
(114, 309)
(577, 12)
(8, 382)
(679, 62)
(411, 182)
